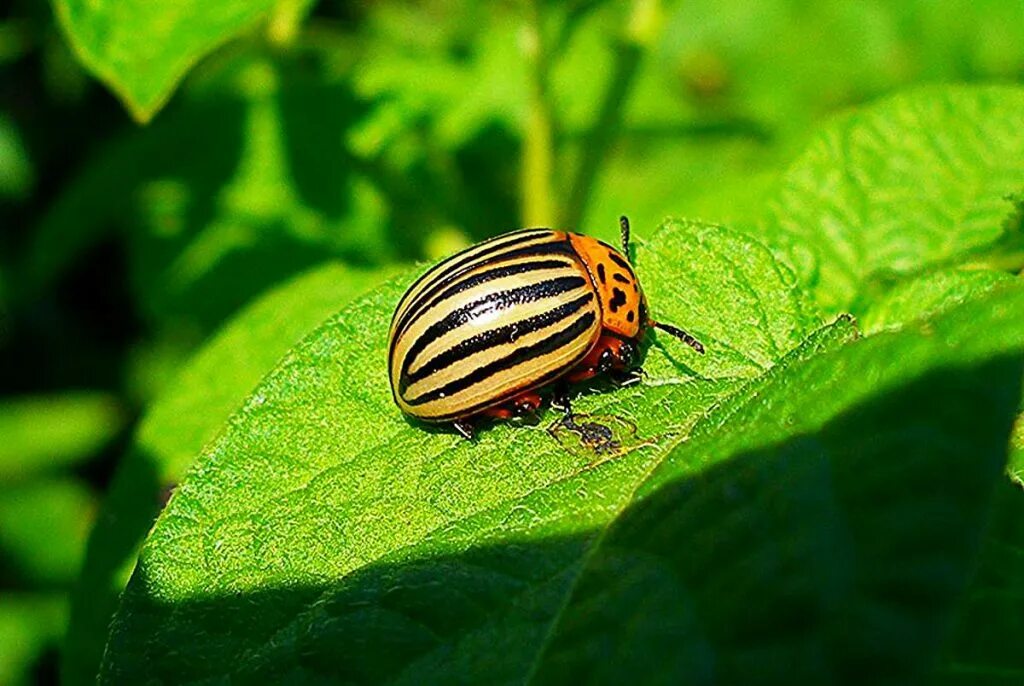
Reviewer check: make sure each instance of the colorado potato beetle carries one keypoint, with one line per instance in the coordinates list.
(482, 331)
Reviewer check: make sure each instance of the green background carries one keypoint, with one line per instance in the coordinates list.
(209, 209)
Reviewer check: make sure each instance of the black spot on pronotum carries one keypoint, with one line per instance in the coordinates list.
(620, 278)
(630, 316)
(618, 299)
(600, 273)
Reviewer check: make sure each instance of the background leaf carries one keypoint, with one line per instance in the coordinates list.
(142, 50)
(58, 512)
(919, 181)
(920, 299)
(274, 194)
(29, 623)
(1017, 453)
(16, 173)
(44, 433)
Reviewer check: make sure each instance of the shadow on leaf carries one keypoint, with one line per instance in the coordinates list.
(830, 557)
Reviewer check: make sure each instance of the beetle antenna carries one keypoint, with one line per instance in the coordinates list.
(680, 334)
(624, 233)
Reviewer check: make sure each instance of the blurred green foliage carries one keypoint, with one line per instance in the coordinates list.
(298, 152)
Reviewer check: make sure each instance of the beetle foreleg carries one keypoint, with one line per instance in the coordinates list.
(561, 402)
(464, 428)
(629, 377)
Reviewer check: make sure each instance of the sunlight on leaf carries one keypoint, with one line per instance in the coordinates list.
(917, 181)
(187, 416)
(922, 298)
(142, 49)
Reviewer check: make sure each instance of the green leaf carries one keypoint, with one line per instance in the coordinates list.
(825, 530)
(43, 527)
(1016, 466)
(141, 50)
(274, 193)
(184, 419)
(16, 173)
(922, 298)
(324, 538)
(984, 646)
(30, 624)
(45, 433)
(335, 479)
(918, 181)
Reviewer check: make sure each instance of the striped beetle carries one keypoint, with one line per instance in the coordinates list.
(482, 331)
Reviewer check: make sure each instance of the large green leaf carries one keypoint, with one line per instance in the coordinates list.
(823, 531)
(184, 419)
(820, 517)
(325, 420)
(917, 181)
(142, 49)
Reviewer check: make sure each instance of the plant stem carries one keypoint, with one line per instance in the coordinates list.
(642, 30)
(539, 145)
(286, 20)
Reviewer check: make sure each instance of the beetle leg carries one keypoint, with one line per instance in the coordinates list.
(629, 377)
(561, 402)
(464, 428)
(525, 404)
(521, 405)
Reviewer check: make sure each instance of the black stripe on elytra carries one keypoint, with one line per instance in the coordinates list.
(486, 340)
(513, 359)
(423, 301)
(491, 302)
(458, 260)
(512, 392)
(619, 261)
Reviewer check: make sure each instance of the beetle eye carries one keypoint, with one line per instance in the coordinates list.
(606, 361)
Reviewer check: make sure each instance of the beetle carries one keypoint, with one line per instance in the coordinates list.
(480, 333)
